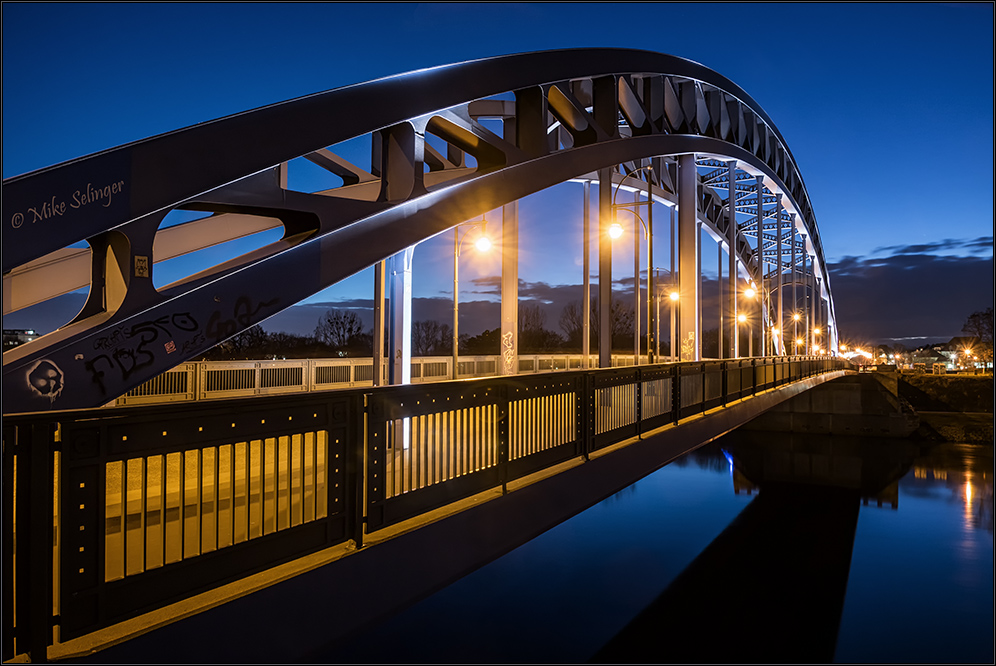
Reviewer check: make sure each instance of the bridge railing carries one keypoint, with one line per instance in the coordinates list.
(212, 380)
(109, 514)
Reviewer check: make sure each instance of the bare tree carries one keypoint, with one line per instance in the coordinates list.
(531, 317)
(620, 322)
(337, 328)
(572, 324)
(426, 337)
(533, 336)
(980, 325)
(245, 343)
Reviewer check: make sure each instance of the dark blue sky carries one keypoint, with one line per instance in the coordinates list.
(888, 109)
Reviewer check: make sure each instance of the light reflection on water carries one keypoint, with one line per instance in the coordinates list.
(921, 581)
(920, 587)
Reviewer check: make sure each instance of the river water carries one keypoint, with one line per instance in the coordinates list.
(870, 551)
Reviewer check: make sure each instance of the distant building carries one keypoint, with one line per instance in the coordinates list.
(13, 337)
(951, 353)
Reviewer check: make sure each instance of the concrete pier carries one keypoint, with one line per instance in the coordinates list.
(856, 404)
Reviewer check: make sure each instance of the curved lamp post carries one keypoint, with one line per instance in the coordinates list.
(615, 231)
(742, 318)
(752, 292)
(483, 244)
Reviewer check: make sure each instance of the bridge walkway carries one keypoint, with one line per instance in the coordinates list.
(269, 488)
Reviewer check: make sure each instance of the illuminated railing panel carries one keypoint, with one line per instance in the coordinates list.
(166, 508)
(152, 504)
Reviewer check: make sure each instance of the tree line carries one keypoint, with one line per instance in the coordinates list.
(340, 332)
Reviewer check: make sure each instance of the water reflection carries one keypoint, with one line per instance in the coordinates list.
(965, 473)
(747, 550)
(787, 556)
(775, 578)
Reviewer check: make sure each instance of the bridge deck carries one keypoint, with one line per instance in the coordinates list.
(402, 563)
(158, 506)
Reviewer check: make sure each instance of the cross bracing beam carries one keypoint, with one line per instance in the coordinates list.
(129, 331)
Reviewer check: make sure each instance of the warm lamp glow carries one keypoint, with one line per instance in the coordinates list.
(674, 296)
(615, 230)
(483, 244)
(796, 316)
(749, 293)
(741, 318)
(798, 341)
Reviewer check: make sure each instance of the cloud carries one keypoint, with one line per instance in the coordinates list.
(909, 296)
(916, 295)
(980, 245)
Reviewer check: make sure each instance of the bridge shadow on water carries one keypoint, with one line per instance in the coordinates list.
(770, 588)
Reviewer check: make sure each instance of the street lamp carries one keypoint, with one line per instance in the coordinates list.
(615, 231)
(742, 318)
(752, 292)
(674, 296)
(795, 330)
(482, 243)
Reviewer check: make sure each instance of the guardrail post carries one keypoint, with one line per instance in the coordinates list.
(503, 437)
(702, 396)
(753, 374)
(34, 524)
(586, 413)
(676, 392)
(639, 403)
(724, 381)
(356, 467)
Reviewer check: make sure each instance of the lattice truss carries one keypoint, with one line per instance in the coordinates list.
(778, 227)
(447, 145)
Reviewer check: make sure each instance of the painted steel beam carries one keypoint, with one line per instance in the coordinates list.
(129, 332)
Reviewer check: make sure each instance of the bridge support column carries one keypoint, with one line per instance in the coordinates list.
(401, 317)
(689, 269)
(586, 292)
(604, 269)
(380, 273)
(719, 296)
(760, 293)
(779, 322)
(801, 281)
(510, 289)
(818, 312)
(795, 298)
(731, 237)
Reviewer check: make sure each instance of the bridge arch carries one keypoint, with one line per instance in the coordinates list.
(572, 113)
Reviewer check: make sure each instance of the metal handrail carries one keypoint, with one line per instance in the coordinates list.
(153, 504)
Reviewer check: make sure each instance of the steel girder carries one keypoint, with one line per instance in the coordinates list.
(573, 112)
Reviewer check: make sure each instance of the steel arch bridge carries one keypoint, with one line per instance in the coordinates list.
(660, 124)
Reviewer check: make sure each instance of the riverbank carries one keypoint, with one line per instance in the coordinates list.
(952, 408)
(971, 428)
(947, 393)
